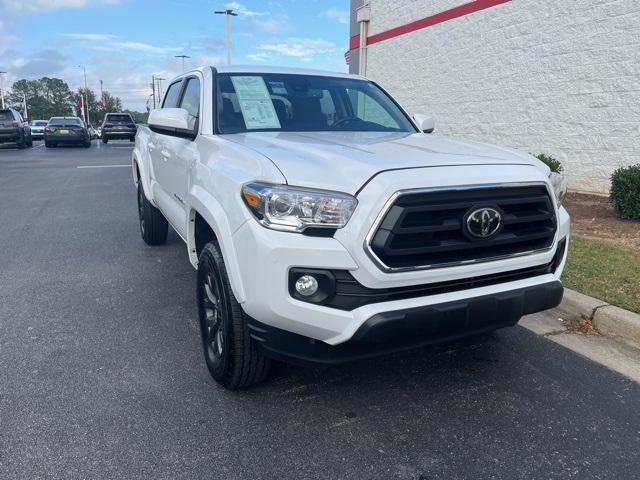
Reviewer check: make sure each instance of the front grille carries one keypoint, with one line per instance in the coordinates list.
(426, 229)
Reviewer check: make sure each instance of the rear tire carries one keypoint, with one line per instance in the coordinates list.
(153, 225)
(87, 144)
(232, 357)
(30, 142)
(105, 140)
(21, 143)
(132, 139)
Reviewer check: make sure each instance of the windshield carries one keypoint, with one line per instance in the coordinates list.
(119, 119)
(39, 123)
(302, 103)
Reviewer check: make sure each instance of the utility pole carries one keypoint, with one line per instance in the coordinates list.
(228, 14)
(153, 88)
(2, 87)
(183, 57)
(86, 100)
(101, 93)
(159, 80)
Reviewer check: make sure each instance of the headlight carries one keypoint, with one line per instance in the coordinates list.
(559, 184)
(294, 209)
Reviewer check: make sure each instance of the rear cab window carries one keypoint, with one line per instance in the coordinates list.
(119, 118)
(69, 122)
(6, 116)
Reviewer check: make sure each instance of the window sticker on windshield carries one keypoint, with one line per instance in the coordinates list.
(255, 103)
(278, 88)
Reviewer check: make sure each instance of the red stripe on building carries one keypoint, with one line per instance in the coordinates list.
(456, 12)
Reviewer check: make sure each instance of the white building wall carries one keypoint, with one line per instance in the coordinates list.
(545, 76)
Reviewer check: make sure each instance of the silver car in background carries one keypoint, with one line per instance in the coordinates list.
(37, 129)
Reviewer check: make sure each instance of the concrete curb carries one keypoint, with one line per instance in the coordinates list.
(620, 324)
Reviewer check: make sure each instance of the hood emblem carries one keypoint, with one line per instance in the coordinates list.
(484, 222)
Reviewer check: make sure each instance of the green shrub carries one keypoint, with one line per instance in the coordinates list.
(625, 191)
(551, 162)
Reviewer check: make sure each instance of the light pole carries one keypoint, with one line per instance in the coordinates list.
(2, 87)
(86, 101)
(228, 14)
(183, 57)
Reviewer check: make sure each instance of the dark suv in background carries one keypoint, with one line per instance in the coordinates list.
(67, 130)
(13, 129)
(118, 126)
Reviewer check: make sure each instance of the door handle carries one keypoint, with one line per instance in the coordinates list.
(165, 153)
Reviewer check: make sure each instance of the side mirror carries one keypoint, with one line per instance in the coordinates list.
(171, 121)
(425, 122)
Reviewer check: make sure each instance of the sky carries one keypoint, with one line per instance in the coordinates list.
(124, 42)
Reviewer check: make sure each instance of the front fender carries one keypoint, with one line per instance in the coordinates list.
(208, 207)
(140, 158)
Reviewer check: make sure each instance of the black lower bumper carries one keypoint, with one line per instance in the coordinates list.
(66, 139)
(11, 137)
(409, 328)
(119, 135)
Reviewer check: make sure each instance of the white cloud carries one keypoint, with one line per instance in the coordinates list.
(42, 6)
(244, 11)
(274, 24)
(301, 48)
(259, 57)
(91, 37)
(145, 48)
(206, 60)
(107, 43)
(341, 16)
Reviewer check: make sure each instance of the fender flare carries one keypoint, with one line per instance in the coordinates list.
(208, 207)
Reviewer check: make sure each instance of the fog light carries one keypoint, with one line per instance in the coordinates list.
(307, 285)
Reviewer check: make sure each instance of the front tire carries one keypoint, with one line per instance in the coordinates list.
(105, 140)
(232, 357)
(153, 225)
(87, 144)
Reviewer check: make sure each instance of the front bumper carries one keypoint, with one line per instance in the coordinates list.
(265, 258)
(407, 328)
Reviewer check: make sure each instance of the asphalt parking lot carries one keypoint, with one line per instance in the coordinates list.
(102, 376)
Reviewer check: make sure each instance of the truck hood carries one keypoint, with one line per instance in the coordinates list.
(345, 161)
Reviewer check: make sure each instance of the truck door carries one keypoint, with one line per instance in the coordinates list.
(164, 182)
(183, 153)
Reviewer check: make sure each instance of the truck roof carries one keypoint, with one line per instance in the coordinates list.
(266, 69)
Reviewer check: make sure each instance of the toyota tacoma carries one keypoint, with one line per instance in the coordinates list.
(328, 225)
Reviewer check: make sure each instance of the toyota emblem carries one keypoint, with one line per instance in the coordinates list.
(484, 222)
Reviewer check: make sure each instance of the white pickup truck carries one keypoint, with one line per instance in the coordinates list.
(327, 225)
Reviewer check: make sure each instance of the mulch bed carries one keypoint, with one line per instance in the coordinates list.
(593, 216)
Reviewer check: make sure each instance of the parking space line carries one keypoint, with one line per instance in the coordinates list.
(102, 166)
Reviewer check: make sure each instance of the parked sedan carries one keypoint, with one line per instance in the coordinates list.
(13, 129)
(66, 130)
(37, 129)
